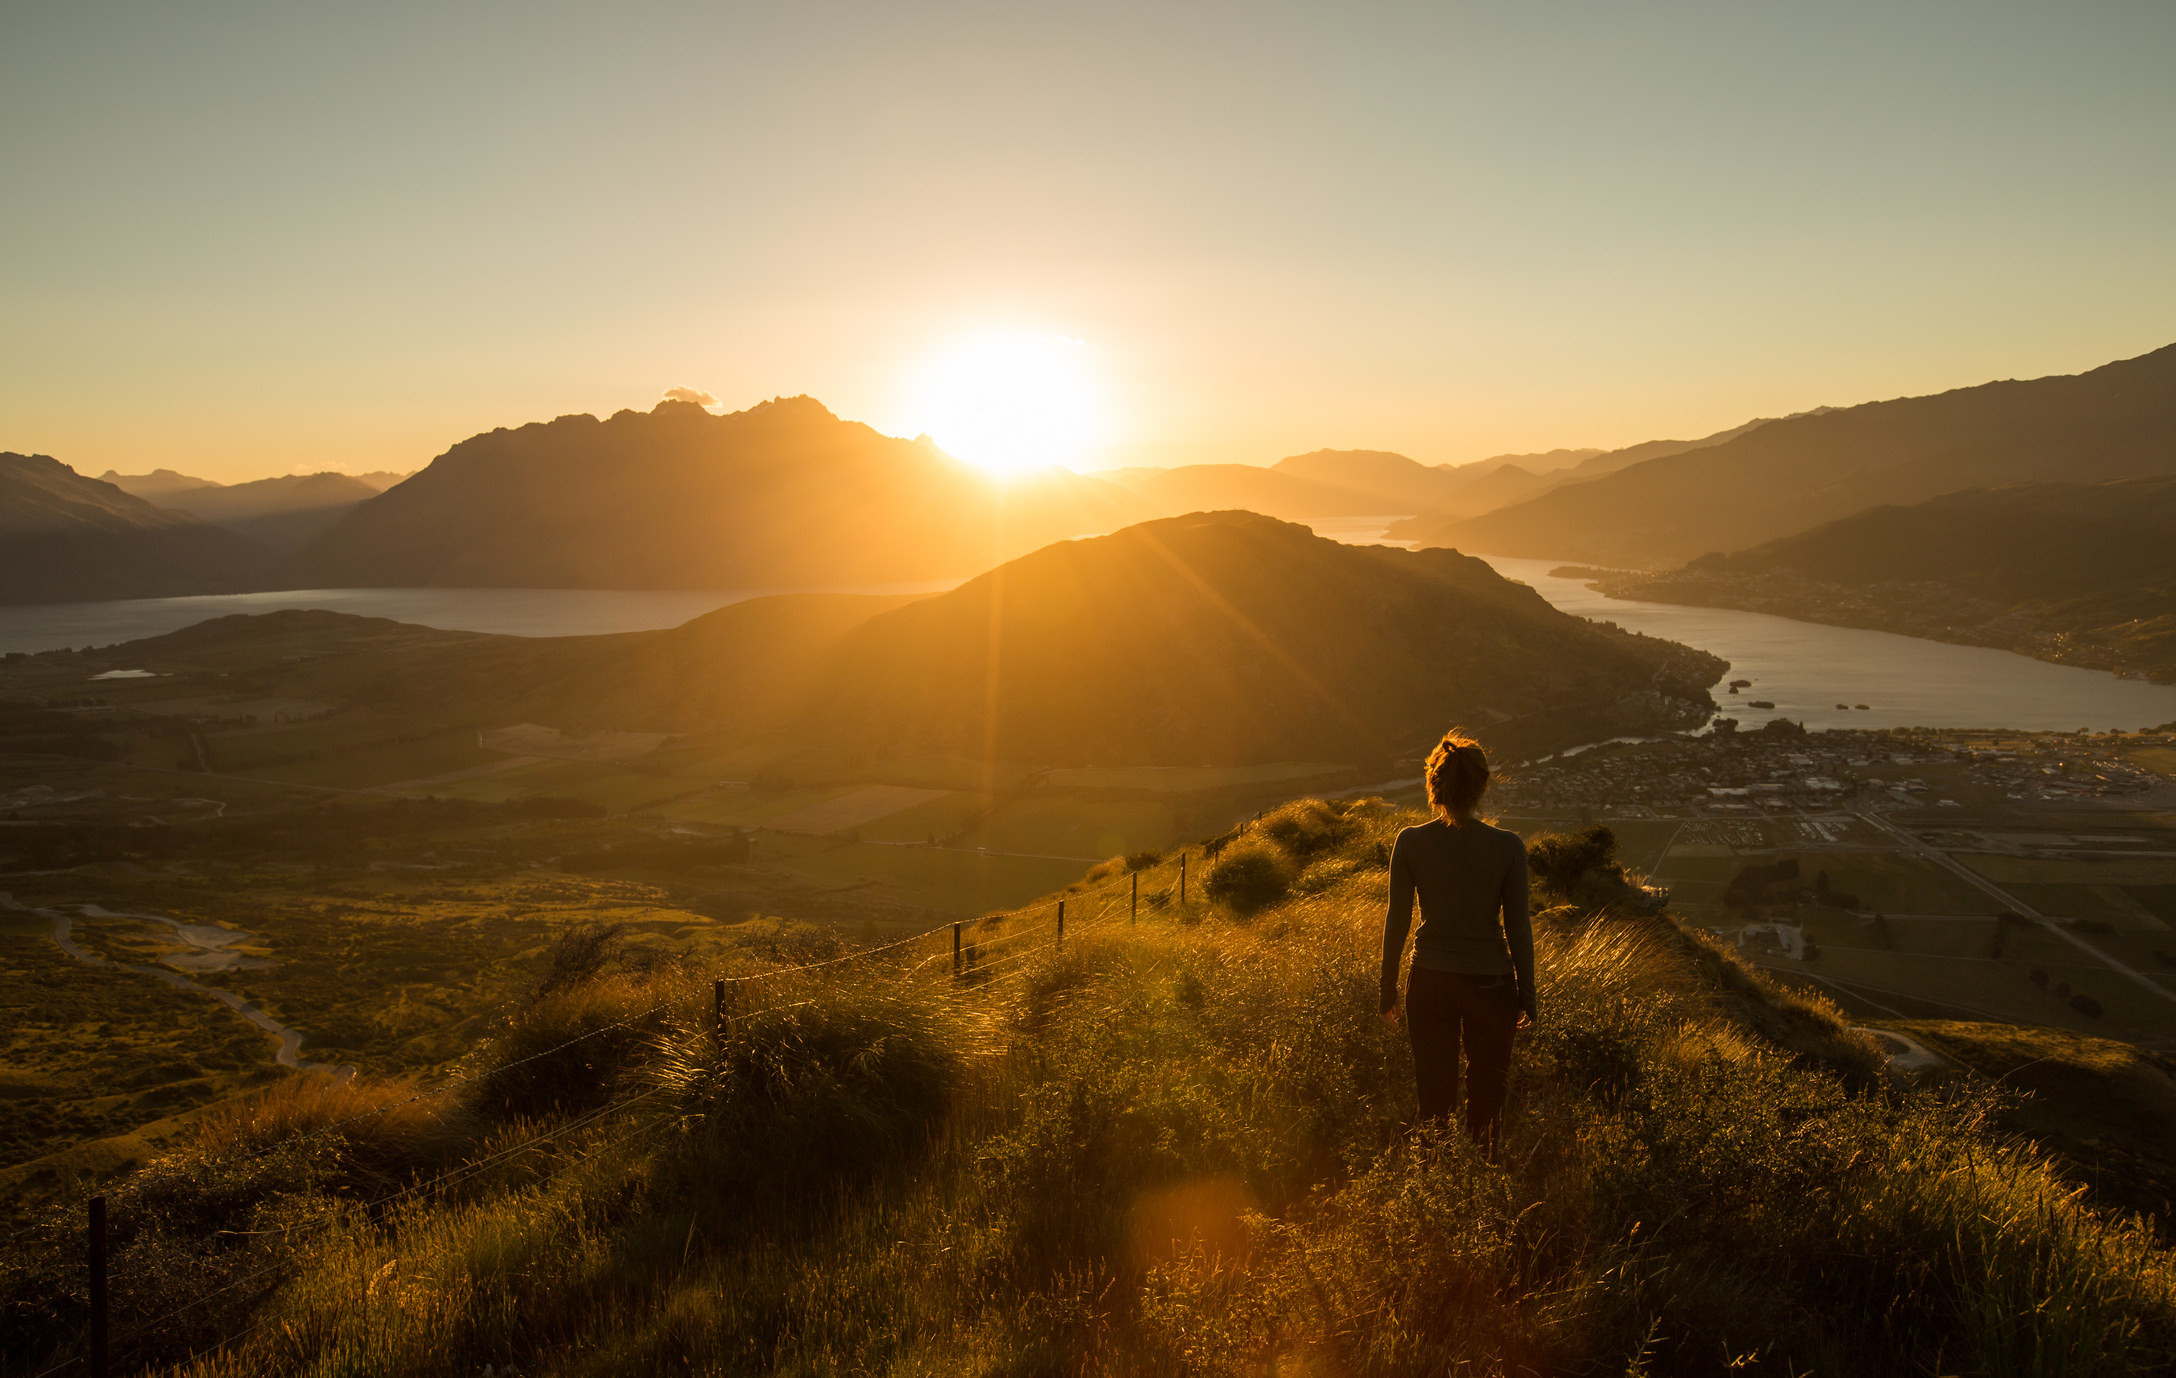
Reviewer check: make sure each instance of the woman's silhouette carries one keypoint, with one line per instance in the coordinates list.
(1473, 958)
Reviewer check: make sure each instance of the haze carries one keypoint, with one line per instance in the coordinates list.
(245, 240)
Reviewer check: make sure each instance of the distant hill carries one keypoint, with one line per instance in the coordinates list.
(782, 494)
(1215, 638)
(284, 513)
(1543, 461)
(2079, 573)
(1789, 475)
(158, 485)
(1356, 483)
(67, 538)
(1249, 487)
(1398, 484)
(1331, 483)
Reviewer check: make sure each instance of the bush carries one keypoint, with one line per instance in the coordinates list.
(1248, 878)
(1579, 867)
(1305, 828)
(367, 1132)
(569, 1050)
(827, 1077)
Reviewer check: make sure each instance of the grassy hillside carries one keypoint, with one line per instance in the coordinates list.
(1787, 476)
(2079, 573)
(782, 495)
(1169, 1147)
(65, 538)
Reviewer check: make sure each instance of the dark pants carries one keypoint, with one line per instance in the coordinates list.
(1441, 1009)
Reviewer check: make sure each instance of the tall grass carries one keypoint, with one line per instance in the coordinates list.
(1184, 1147)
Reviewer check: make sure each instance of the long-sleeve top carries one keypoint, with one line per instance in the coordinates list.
(1471, 882)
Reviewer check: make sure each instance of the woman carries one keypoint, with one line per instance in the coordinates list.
(1473, 958)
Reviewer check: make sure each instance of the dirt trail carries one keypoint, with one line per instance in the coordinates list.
(208, 939)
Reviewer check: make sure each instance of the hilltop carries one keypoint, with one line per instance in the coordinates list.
(1786, 476)
(64, 538)
(1176, 1143)
(779, 495)
(2083, 574)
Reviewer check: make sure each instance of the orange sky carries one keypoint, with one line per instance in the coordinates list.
(251, 239)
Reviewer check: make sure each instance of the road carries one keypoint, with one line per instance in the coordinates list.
(1911, 843)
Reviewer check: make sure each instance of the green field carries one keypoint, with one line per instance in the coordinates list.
(1190, 779)
(938, 879)
(1066, 825)
(352, 749)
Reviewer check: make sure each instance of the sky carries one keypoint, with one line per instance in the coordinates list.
(242, 240)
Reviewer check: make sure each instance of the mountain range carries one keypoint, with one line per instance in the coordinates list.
(1217, 638)
(785, 495)
(782, 494)
(1357, 483)
(64, 538)
(2079, 573)
(1786, 476)
(284, 513)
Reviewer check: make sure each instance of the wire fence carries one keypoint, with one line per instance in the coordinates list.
(979, 950)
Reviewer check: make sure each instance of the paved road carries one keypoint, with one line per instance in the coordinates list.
(1987, 887)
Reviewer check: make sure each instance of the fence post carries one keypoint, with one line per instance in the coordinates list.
(955, 947)
(98, 1287)
(1134, 915)
(717, 1003)
(1061, 921)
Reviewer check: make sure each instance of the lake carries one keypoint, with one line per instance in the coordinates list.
(510, 612)
(1806, 669)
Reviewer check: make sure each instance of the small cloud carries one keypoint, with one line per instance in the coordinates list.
(700, 399)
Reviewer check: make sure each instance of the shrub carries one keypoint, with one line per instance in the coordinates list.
(365, 1132)
(1248, 877)
(1582, 867)
(1305, 828)
(568, 1050)
(829, 1076)
(579, 954)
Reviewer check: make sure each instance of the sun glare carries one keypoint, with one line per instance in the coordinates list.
(1008, 403)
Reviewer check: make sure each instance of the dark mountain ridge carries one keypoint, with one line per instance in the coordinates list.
(66, 538)
(782, 494)
(1786, 476)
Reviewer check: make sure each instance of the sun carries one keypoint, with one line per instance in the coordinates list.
(1011, 403)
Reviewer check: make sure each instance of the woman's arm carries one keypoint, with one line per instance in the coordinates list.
(1519, 927)
(1397, 921)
